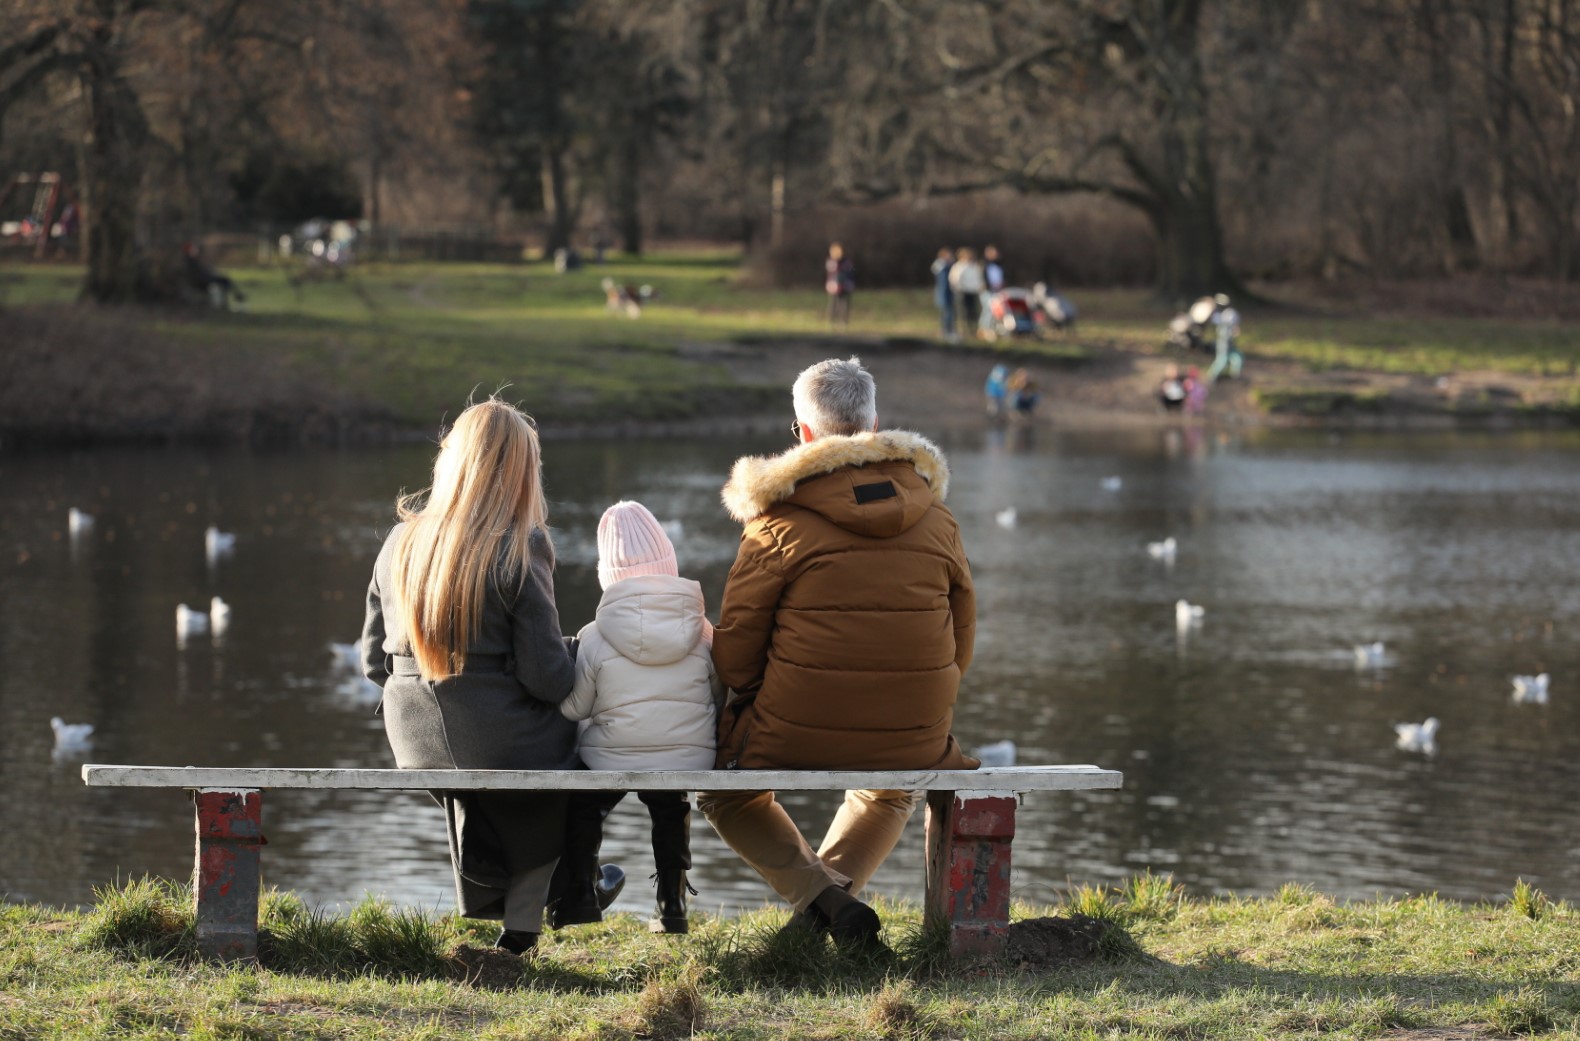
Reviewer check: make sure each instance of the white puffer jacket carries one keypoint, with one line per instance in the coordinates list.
(644, 679)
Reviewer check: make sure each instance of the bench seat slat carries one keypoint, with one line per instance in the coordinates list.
(1000, 779)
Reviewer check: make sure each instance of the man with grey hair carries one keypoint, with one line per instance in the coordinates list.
(848, 619)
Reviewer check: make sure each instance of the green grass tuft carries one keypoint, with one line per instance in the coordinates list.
(1527, 901)
(145, 918)
(1524, 1011)
(1151, 897)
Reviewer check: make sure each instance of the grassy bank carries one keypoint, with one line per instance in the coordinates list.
(1140, 962)
(392, 347)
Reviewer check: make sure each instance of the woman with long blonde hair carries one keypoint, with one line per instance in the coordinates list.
(463, 636)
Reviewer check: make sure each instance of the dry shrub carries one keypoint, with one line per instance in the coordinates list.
(1063, 240)
(671, 1009)
(895, 1014)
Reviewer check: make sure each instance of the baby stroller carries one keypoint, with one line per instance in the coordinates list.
(1011, 312)
(1189, 330)
(1052, 308)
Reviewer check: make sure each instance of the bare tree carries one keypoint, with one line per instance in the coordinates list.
(1114, 99)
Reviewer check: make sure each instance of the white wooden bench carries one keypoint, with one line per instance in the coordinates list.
(970, 824)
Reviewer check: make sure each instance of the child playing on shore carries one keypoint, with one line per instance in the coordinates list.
(646, 688)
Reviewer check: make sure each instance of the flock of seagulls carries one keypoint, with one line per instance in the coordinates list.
(190, 621)
(1422, 737)
(1411, 737)
(1005, 518)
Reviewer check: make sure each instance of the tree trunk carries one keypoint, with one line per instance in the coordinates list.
(117, 138)
(559, 198)
(628, 193)
(1190, 251)
(1190, 235)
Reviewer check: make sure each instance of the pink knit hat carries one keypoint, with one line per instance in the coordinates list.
(631, 542)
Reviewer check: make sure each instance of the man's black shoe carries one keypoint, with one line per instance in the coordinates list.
(516, 941)
(855, 927)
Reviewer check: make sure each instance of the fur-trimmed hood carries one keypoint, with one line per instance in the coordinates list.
(758, 482)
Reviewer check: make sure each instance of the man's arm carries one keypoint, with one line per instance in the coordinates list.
(962, 606)
(746, 617)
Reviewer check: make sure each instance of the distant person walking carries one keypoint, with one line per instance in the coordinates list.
(839, 282)
(944, 294)
(993, 281)
(968, 280)
(1226, 326)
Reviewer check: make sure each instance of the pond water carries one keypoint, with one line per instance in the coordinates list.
(1256, 750)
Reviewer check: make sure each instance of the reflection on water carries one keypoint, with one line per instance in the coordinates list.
(1255, 749)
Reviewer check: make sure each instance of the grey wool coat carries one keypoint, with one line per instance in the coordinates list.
(501, 715)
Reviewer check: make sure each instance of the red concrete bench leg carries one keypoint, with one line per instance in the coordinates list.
(968, 843)
(225, 881)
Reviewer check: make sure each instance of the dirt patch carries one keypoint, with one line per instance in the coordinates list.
(1053, 942)
(487, 967)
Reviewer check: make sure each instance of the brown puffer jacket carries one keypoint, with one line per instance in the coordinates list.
(849, 615)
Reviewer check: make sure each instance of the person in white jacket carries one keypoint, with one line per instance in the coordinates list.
(647, 693)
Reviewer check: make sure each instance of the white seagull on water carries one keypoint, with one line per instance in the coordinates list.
(1164, 550)
(189, 622)
(1530, 690)
(1369, 655)
(217, 544)
(1005, 517)
(71, 735)
(999, 753)
(1187, 613)
(218, 616)
(1418, 737)
(348, 670)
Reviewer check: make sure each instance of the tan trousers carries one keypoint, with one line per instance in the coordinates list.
(758, 829)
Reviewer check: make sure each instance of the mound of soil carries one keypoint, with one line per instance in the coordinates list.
(487, 967)
(1052, 942)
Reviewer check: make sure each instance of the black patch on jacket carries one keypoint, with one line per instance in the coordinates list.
(866, 493)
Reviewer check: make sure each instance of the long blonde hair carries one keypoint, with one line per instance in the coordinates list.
(484, 505)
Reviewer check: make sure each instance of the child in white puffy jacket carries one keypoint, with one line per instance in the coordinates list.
(646, 688)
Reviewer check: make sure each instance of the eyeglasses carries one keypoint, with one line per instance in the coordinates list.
(795, 429)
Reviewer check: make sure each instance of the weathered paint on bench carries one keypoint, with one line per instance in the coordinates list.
(999, 778)
(970, 826)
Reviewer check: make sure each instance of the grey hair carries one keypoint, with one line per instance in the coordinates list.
(836, 397)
